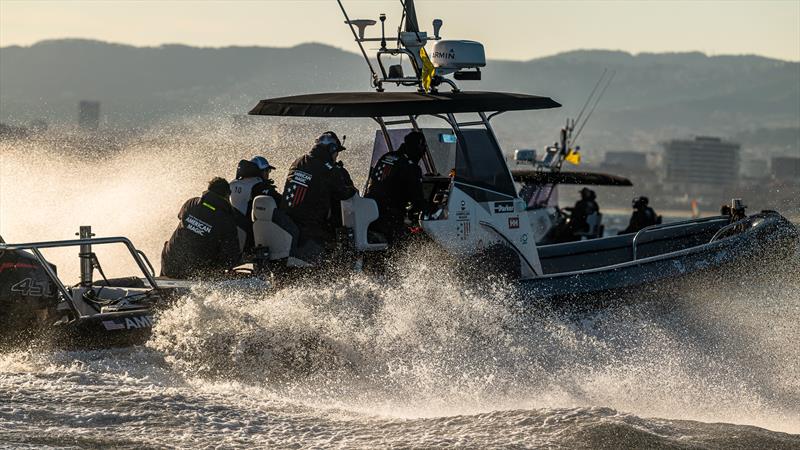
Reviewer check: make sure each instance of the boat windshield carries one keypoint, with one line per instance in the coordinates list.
(441, 146)
(481, 168)
(479, 165)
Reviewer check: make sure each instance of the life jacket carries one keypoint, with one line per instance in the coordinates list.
(247, 176)
(241, 193)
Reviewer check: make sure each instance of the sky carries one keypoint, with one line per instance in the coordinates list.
(509, 29)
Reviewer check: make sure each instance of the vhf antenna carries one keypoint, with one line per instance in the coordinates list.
(361, 46)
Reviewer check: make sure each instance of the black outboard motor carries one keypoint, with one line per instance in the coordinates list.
(28, 298)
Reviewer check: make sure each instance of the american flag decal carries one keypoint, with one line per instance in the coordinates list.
(113, 325)
(296, 194)
(297, 189)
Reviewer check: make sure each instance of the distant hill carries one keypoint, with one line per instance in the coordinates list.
(655, 94)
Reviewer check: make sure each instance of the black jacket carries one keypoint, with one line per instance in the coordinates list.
(396, 182)
(315, 182)
(206, 241)
(641, 218)
(580, 212)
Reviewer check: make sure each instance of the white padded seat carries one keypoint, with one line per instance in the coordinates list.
(267, 233)
(357, 213)
(594, 220)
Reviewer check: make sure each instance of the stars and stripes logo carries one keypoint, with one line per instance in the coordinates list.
(297, 188)
(384, 168)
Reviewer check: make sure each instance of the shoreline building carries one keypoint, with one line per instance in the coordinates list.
(702, 161)
(786, 168)
(705, 169)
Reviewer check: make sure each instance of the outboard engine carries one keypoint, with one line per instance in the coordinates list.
(28, 298)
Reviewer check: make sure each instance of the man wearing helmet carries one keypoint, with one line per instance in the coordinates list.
(315, 185)
(396, 185)
(252, 180)
(643, 216)
(586, 206)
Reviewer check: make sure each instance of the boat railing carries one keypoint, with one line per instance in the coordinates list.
(35, 247)
(666, 226)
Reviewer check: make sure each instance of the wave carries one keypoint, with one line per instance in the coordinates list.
(427, 346)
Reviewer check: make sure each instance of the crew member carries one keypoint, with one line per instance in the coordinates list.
(583, 208)
(643, 216)
(205, 244)
(396, 185)
(252, 180)
(315, 185)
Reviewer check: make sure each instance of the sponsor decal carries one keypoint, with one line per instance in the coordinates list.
(128, 323)
(16, 265)
(503, 207)
(30, 288)
(524, 239)
(197, 226)
(444, 55)
(513, 222)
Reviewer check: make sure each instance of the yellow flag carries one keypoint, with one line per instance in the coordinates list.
(573, 157)
(427, 69)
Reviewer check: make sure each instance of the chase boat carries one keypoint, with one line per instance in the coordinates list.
(479, 214)
(478, 218)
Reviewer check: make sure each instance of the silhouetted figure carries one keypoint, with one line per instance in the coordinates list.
(206, 242)
(585, 207)
(395, 184)
(643, 216)
(315, 185)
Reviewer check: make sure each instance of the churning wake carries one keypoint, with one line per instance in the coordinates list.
(419, 361)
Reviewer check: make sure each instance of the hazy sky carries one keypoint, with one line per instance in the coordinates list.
(509, 29)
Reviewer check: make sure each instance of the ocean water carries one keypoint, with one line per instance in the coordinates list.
(419, 362)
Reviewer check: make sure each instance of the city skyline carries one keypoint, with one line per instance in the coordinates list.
(767, 28)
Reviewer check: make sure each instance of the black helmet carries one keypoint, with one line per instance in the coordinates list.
(330, 139)
(640, 201)
(414, 145)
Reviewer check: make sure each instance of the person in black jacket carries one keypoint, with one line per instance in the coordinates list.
(396, 185)
(643, 216)
(315, 185)
(252, 180)
(206, 243)
(583, 208)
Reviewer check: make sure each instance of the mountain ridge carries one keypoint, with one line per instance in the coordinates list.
(654, 93)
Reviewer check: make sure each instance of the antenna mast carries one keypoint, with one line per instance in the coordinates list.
(360, 45)
(597, 100)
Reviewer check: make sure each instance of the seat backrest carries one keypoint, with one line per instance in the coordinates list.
(357, 213)
(593, 220)
(267, 233)
(240, 192)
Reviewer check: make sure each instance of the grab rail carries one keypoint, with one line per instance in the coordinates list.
(728, 227)
(36, 246)
(665, 226)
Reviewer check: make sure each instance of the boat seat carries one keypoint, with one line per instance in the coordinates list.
(267, 233)
(357, 213)
(594, 220)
